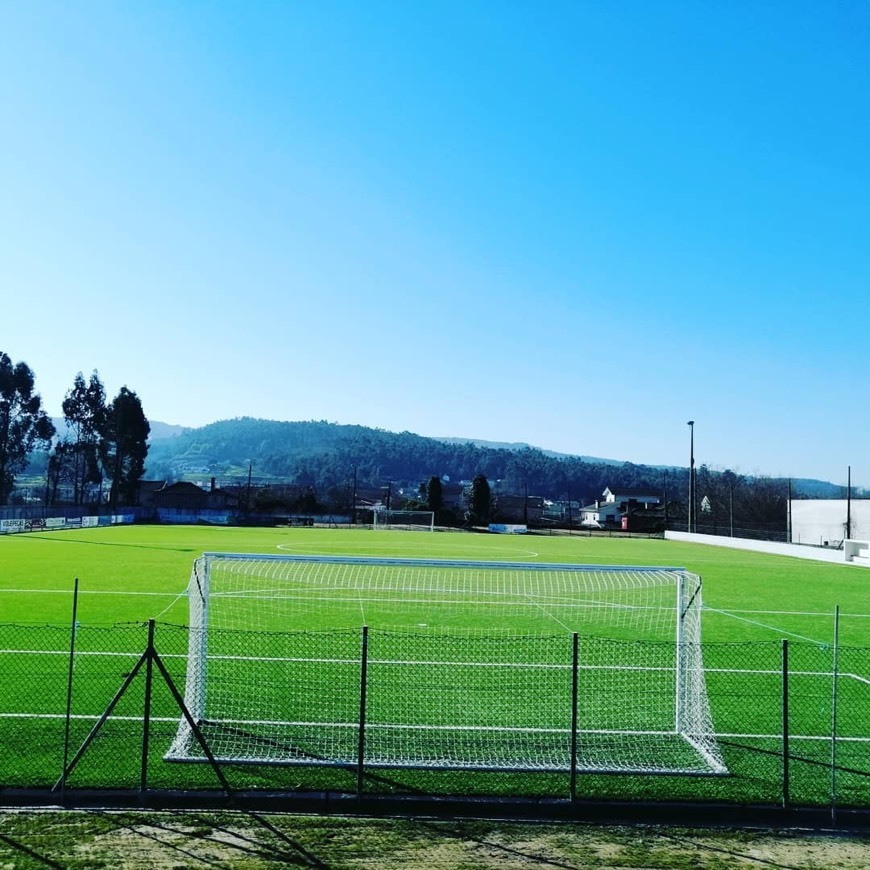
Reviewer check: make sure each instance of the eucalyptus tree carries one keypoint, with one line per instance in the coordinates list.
(479, 501)
(434, 494)
(24, 426)
(85, 413)
(125, 446)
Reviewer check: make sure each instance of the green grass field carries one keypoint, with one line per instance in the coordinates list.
(128, 575)
(140, 572)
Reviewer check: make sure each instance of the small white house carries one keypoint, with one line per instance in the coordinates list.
(632, 496)
(616, 504)
(600, 514)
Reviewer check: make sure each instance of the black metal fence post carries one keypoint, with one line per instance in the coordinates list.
(786, 772)
(363, 680)
(834, 675)
(146, 714)
(69, 686)
(575, 661)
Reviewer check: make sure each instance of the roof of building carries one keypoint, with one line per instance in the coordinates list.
(633, 492)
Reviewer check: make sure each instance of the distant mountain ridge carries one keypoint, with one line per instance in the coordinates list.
(326, 455)
(158, 430)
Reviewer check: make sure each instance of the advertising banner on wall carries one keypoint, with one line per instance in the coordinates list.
(10, 527)
(508, 528)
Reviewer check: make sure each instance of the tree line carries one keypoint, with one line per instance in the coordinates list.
(324, 460)
(101, 453)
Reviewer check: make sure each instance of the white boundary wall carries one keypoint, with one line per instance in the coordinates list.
(817, 554)
(815, 521)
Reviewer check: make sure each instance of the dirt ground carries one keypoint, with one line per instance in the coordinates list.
(171, 841)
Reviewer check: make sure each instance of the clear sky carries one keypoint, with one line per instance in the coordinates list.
(574, 224)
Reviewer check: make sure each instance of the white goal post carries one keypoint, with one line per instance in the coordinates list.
(415, 521)
(441, 664)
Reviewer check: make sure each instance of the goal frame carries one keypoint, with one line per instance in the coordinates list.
(392, 519)
(687, 723)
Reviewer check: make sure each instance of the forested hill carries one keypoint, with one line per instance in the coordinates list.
(325, 455)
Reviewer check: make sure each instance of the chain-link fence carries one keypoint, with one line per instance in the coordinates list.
(121, 707)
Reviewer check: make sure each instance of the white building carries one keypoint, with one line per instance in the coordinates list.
(822, 522)
(616, 504)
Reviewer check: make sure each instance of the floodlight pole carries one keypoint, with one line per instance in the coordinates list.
(692, 523)
(848, 502)
(353, 502)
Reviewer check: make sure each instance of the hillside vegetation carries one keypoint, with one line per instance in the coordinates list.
(325, 455)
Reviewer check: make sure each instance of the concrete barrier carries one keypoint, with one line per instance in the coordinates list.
(798, 551)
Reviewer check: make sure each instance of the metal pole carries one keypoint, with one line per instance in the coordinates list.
(69, 682)
(786, 773)
(570, 516)
(666, 498)
(146, 716)
(575, 661)
(731, 505)
(363, 679)
(849, 503)
(353, 503)
(834, 681)
(692, 524)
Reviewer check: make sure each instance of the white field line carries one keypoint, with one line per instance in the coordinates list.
(355, 661)
(406, 727)
(547, 612)
(411, 548)
(514, 599)
(133, 654)
(85, 716)
(819, 738)
(431, 727)
(734, 615)
(88, 592)
(445, 663)
(778, 673)
(442, 663)
(826, 613)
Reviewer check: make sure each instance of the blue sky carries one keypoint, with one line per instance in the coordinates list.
(574, 224)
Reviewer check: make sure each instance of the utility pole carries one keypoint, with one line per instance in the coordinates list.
(692, 522)
(353, 503)
(849, 503)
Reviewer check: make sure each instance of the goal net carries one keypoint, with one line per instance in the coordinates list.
(446, 664)
(414, 521)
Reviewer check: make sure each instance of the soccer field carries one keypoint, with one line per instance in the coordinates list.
(137, 573)
(752, 602)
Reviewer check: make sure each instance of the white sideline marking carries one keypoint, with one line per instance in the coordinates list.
(778, 673)
(418, 548)
(827, 613)
(825, 738)
(65, 652)
(88, 592)
(733, 615)
(396, 727)
(447, 663)
(87, 716)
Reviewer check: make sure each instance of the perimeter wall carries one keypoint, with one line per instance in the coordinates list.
(799, 551)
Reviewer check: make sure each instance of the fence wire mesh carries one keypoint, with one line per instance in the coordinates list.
(394, 711)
